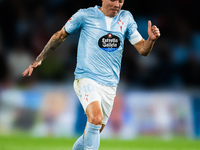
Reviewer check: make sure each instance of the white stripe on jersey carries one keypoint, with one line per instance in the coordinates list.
(135, 38)
(108, 21)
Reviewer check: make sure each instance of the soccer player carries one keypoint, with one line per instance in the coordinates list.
(102, 34)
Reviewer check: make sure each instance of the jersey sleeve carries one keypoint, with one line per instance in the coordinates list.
(74, 23)
(132, 34)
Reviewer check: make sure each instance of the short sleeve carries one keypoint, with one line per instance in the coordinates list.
(74, 23)
(132, 34)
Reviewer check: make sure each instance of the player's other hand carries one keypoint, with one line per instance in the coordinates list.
(153, 31)
(29, 70)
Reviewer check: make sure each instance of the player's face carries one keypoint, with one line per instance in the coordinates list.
(111, 7)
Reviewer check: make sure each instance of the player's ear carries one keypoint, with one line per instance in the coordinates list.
(102, 3)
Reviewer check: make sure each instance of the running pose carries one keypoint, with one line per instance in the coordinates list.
(102, 34)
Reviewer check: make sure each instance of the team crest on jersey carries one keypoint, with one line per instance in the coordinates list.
(109, 42)
(120, 23)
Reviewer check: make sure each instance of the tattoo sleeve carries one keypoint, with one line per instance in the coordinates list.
(54, 42)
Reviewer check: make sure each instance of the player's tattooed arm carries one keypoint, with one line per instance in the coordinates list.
(54, 42)
(144, 47)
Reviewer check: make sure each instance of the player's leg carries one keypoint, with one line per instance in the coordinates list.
(94, 113)
(78, 145)
(92, 108)
(94, 124)
(102, 127)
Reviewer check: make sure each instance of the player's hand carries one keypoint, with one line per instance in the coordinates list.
(153, 31)
(29, 70)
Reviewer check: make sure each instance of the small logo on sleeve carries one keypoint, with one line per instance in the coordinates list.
(69, 19)
(109, 42)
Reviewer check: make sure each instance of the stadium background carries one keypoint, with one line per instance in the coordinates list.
(158, 95)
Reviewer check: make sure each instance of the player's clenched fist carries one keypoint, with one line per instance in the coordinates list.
(29, 70)
(153, 31)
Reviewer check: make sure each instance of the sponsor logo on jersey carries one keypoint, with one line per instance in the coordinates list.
(109, 42)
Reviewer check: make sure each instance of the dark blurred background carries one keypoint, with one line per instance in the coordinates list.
(174, 64)
(26, 26)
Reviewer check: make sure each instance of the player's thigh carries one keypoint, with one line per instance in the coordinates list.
(87, 91)
(94, 113)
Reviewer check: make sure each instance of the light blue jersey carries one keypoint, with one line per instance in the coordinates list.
(100, 47)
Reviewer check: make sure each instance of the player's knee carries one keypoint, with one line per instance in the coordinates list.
(96, 119)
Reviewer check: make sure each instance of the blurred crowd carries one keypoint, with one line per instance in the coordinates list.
(27, 25)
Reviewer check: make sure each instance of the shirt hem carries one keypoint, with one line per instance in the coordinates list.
(104, 83)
